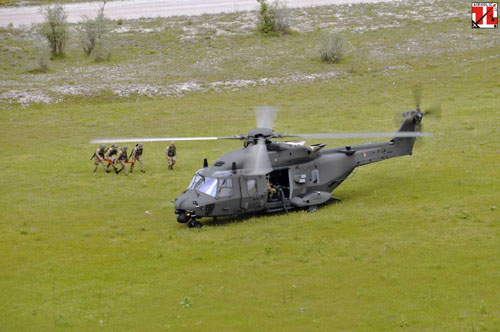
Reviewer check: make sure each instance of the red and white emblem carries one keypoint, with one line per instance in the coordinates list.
(484, 15)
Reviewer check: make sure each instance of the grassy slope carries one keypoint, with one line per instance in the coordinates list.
(413, 245)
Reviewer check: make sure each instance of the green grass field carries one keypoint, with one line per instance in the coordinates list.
(414, 245)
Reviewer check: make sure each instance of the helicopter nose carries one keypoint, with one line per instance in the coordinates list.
(183, 209)
(180, 202)
(193, 204)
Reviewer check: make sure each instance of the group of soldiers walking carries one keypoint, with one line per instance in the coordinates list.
(115, 157)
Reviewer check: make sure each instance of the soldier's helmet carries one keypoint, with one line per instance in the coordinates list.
(140, 145)
(102, 147)
(114, 146)
(125, 147)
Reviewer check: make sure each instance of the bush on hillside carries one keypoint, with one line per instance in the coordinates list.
(54, 28)
(41, 61)
(274, 17)
(332, 50)
(94, 36)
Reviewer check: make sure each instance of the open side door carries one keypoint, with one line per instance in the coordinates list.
(280, 179)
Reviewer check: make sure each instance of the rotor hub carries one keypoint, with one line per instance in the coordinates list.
(260, 132)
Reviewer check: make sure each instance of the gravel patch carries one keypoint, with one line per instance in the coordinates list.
(55, 94)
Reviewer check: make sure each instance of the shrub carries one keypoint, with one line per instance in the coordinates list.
(54, 28)
(102, 50)
(332, 50)
(91, 31)
(93, 36)
(274, 18)
(41, 62)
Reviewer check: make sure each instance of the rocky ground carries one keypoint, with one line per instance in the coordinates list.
(179, 55)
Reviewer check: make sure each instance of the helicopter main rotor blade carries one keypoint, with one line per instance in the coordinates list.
(160, 139)
(265, 116)
(364, 135)
(257, 159)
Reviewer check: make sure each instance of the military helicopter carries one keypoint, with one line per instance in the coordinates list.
(268, 176)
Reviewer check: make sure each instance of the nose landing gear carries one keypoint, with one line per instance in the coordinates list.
(187, 217)
(194, 223)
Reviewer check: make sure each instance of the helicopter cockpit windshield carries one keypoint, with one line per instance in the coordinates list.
(212, 186)
(207, 186)
(204, 184)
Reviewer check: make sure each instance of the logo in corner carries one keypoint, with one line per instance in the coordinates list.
(484, 15)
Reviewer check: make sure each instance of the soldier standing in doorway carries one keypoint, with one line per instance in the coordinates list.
(136, 155)
(171, 154)
(99, 157)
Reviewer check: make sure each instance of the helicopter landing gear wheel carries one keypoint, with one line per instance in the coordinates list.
(194, 223)
(312, 208)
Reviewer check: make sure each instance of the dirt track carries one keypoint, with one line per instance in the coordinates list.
(133, 9)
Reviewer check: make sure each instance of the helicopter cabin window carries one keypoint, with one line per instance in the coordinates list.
(252, 187)
(207, 186)
(225, 188)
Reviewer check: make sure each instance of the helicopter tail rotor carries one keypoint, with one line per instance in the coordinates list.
(435, 111)
(417, 95)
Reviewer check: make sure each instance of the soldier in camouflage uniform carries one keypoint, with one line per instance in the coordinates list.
(122, 158)
(136, 155)
(271, 189)
(171, 154)
(99, 157)
(111, 155)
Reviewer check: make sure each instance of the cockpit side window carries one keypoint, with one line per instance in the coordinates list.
(252, 187)
(225, 188)
(194, 181)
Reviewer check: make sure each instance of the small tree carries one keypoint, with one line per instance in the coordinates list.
(265, 24)
(54, 29)
(274, 18)
(332, 50)
(93, 32)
